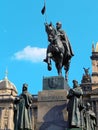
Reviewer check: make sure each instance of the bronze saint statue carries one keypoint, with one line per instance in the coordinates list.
(74, 106)
(89, 118)
(59, 48)
(22, 116)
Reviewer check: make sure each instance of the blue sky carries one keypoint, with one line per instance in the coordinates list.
(24, 41)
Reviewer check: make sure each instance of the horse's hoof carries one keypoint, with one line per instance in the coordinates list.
(49, 67)
(45, 60)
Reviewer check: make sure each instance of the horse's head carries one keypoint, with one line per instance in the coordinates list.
(50, 29)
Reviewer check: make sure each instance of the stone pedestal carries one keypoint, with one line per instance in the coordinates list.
(55, 83)
(52, 104)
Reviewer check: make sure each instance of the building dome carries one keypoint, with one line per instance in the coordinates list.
(7, 87)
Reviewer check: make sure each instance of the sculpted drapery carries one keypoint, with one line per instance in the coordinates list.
(74, 105)
(22, 113)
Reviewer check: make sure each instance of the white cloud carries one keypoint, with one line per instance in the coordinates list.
(33, 54)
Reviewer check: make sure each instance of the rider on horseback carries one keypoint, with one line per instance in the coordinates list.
(52, 38)
(59, 48)
(64, 39)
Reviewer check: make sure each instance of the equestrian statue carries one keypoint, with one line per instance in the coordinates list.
(59, 48)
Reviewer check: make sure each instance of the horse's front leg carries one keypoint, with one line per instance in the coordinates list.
(66, 67)
(48, 61)
(49, 64)
(66, 76)
(59, 68)
(59, 64)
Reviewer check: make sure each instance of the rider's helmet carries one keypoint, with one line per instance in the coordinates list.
(58, 25)
(25, 87)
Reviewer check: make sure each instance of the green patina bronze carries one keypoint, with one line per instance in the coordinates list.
(22, 113)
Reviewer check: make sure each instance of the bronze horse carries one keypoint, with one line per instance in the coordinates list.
(56, 51)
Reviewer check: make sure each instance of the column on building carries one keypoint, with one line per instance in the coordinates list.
(94, 58)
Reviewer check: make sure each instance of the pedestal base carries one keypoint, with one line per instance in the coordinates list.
(52, 104)
(54, 83)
